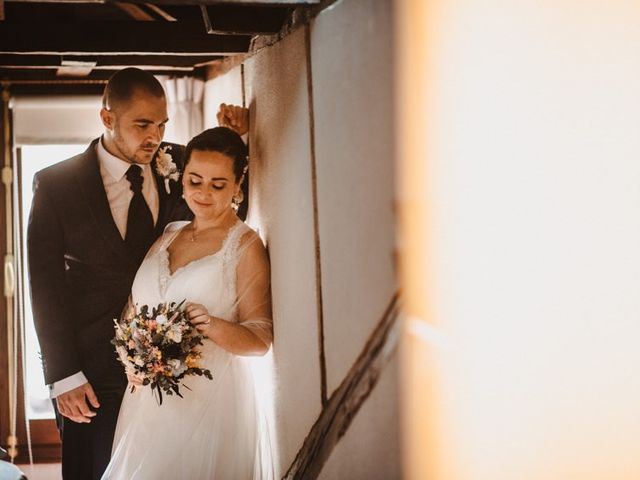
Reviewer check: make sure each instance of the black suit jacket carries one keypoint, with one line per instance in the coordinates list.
(81, 271)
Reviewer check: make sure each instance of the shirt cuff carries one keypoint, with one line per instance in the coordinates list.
(66, 384)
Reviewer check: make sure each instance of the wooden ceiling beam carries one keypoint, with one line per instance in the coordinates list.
(47, 75)
(107, 61)
(96, 38)
(111, 68)
(255, 3)
(162, 13)
(185, 2)
(134, 11)
(242, 20)
(56, 1)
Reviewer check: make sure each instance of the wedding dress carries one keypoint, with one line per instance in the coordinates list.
(218, 430)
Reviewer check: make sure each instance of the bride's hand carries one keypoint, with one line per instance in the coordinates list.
(134, 379)
(199, 316)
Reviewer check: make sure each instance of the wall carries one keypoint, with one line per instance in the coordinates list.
(322, 198)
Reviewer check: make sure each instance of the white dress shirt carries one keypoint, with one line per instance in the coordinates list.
(119, 194)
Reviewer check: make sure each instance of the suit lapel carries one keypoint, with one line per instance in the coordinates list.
(92, 187)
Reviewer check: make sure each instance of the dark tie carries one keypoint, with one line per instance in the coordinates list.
(139, 219)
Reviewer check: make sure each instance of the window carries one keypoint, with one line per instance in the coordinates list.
(31, 159)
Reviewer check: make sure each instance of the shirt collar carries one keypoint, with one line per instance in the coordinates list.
(114, 166)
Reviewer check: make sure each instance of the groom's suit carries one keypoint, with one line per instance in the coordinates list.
(81, 272)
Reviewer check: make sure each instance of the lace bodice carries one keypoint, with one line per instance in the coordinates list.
(209, 280)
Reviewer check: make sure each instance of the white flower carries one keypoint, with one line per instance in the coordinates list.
(166, 167)
(177, 367)
(138, 361)
(122, 353)
(175, 334)
(161, 319)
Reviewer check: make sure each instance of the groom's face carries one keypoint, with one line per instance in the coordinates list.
(135, 128)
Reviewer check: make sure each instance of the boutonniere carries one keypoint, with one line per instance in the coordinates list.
(166, 167)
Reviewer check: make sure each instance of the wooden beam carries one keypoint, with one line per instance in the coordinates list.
(66, 87)
(115, 37)
(183, 2)
(346, 401)
(56, 1)
(11, 72)
(243, 20)
(4, 356)
(115, 62)
(281, 3)
(162, 13)
(48, 74)
(134, 11)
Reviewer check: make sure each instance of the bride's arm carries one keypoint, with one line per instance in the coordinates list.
(252, 334)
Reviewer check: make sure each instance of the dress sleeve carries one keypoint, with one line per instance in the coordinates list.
(253, 287)
(170, 232)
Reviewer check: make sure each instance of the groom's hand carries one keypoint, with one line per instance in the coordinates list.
(234, 117)
(73, 404)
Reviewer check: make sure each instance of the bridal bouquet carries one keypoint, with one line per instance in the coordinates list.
(159, 345)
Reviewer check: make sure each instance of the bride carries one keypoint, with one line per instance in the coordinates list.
(220, 266)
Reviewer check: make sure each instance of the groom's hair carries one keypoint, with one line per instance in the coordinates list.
(222, 140)
(124, 83)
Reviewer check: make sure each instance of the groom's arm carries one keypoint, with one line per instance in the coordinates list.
(234, 117)
(237, 119)
(51, 313)
(49, 296)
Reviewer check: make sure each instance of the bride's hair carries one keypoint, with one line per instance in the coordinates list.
(222, 140)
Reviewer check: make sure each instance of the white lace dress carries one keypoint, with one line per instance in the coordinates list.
(217, 431)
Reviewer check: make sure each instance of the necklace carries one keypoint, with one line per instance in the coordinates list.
(194, 231)
(194, 234)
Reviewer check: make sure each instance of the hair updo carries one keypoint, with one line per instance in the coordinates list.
(222, 140)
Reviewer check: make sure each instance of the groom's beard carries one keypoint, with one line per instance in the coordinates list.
(141, 154)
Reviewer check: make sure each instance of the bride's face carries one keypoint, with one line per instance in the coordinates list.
(209, 184)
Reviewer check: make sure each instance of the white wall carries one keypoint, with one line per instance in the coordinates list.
(282, 207)
(370, 449)
(353, 114)
(227, 89)
(351, 123)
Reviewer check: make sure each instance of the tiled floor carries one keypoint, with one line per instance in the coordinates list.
(42, 471)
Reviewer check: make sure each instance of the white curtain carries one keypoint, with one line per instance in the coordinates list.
(184, 99)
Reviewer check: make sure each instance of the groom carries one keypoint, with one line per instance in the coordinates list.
(92, 220)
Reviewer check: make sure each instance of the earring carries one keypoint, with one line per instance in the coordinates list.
(237, 199)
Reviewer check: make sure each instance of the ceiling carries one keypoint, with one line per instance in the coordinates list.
(74, 45)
